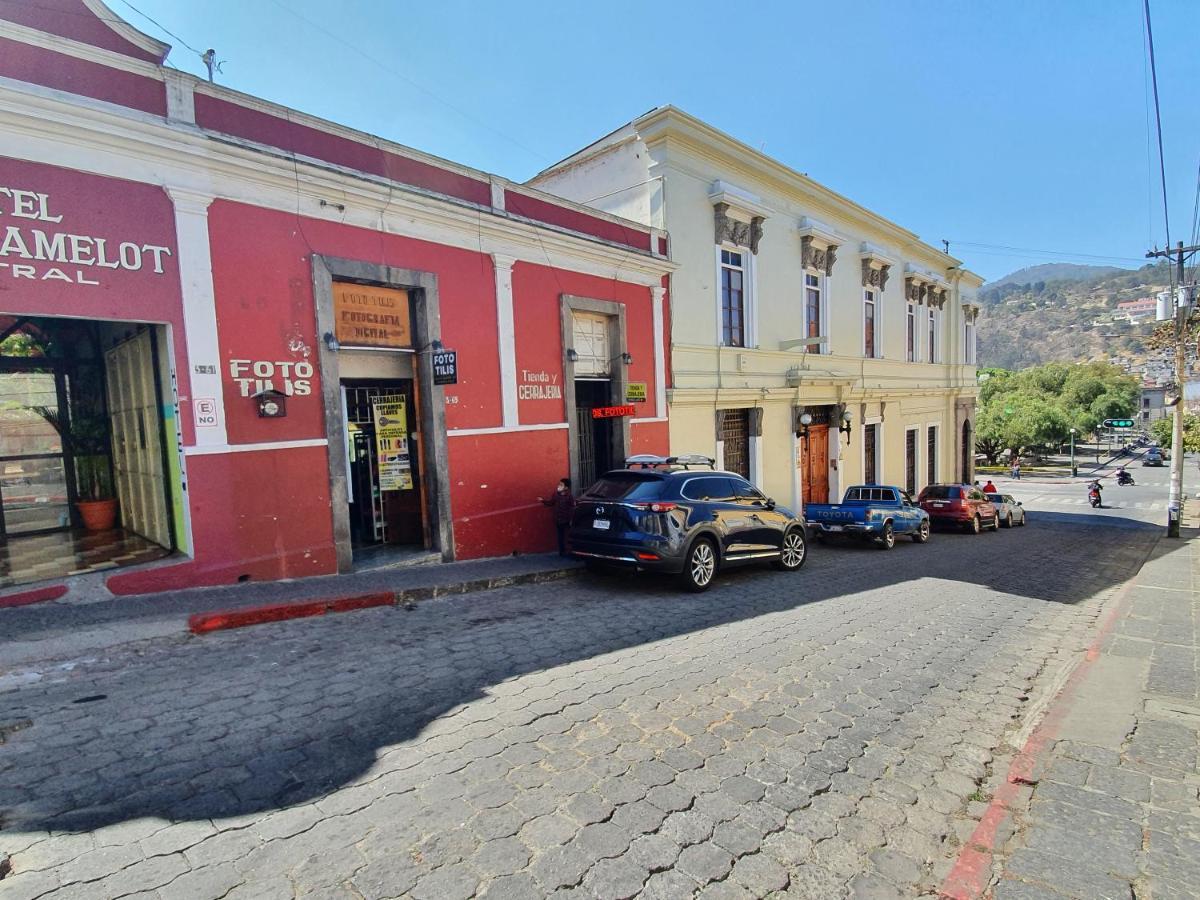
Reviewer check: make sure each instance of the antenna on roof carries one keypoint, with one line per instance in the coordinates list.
(209, 58)
(946, 245)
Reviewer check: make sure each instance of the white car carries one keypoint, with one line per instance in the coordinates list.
(1008, 509)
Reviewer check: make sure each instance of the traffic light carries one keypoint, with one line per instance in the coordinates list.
(1118, 423)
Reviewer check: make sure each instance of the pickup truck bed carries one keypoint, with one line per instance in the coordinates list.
(872, 513)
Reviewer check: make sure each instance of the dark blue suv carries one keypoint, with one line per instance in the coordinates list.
(678, 515)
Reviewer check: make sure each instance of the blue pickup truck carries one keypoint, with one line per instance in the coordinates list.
(871, 512)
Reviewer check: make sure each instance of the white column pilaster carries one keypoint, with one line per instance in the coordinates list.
(506, 338)
(657, 297)
(199, 309)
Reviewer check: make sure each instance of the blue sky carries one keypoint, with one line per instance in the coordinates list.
(992, 124)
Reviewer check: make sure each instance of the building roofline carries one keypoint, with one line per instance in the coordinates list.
(671, 121)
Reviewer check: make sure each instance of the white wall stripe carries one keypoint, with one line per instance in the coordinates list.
(467, 432)
(506, 338)
(249, 448)
(199, 309)
(657, 295)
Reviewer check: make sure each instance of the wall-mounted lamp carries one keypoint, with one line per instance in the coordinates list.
(805, 420)
(627, 359)
(572, 355)
(847, 417)
(331, 341)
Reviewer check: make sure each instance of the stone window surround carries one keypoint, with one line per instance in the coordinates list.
(738, 216)
(819, 245)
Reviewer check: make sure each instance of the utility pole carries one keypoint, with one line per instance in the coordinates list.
(1182, 298)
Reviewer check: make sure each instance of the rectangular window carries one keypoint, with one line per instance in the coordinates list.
(932, 355)
(910, 352)
(869, 346)
(969, 344)
(910, 460)
(870, 439)
(733, 299)
(812, 309)
(931, 455)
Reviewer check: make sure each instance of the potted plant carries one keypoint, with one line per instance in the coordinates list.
(86, 439)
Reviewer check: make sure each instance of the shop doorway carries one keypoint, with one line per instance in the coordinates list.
(85, 476)
(383, 461)
(595, 434)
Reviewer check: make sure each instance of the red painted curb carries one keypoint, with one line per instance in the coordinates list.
(972, 872)
(40, 595)
(221, 620)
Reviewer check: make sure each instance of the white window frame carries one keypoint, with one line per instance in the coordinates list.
(749, 302)
(912, 354)
(969, 343)
(937, 455)
(880, 471)
(875, 298)
(823, 325)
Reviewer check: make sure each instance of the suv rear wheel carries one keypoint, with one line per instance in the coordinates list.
(700, 566)
(976, 526)
(794, 552)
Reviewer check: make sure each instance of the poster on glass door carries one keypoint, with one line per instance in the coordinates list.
(391, 443)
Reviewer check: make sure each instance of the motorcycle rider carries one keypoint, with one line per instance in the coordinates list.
(1094, 494)
(1124, 477)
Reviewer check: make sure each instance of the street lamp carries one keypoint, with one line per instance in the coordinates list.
(1074, 471)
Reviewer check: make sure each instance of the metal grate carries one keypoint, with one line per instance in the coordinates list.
(931, 455)
(870, 475)
(735, 434)
(910, 460)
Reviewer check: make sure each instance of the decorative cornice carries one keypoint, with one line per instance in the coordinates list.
(728, 230)
(815, 257)
(810, 227)
(875, 275)
(742, 201)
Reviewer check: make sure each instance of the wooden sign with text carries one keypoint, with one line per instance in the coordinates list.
(367, 316)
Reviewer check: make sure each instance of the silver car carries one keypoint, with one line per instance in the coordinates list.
(1009, 510)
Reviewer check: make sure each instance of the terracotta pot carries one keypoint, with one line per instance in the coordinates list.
(97, 515)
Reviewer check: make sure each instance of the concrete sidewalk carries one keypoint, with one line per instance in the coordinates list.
(75, 625)
(1114, 809)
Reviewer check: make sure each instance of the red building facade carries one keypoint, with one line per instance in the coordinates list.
(270, 301)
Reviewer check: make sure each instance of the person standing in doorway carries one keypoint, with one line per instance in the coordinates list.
(563, 504)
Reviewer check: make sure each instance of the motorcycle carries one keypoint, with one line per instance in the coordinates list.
(1094, 496)
(1124, 478)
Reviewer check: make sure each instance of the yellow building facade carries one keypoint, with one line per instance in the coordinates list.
(814, 343)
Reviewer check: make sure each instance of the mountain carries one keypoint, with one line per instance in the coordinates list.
(1060, 312)
(1054, 272)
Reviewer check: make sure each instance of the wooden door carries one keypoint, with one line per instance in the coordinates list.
(137, 442)
(814, 465)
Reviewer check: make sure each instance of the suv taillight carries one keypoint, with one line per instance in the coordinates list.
(658, 506)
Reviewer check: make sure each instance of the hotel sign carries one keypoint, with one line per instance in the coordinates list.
(366, 316)
(36, 245)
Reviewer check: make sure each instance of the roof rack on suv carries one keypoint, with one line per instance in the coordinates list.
(653, 461)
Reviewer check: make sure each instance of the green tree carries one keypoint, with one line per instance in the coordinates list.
(1162, 431)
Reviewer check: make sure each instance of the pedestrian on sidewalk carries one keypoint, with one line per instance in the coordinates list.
(1016, 468)
(989, 488)
(563, 503)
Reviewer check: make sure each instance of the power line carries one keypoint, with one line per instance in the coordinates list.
(162, 28)
(1162, 165)
(358, 50)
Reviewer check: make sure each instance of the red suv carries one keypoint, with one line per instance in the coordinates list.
(959, 505)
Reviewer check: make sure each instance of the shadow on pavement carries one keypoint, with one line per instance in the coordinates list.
(250, 721)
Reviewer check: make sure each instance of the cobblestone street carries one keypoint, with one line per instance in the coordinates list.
(829, 733)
